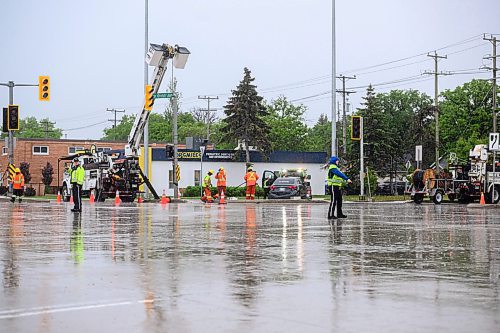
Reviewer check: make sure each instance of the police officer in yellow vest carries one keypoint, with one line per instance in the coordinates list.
(336, 180)
(77, 178)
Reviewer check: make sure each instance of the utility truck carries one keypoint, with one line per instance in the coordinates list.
(109, 173)
(462, 182)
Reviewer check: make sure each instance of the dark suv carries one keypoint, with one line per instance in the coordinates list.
(288, 187)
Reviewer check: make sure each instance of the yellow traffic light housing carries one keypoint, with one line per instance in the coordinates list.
(44, 88)
(148, 104)
(356, 128)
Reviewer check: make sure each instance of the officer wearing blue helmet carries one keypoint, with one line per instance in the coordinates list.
(336, 180)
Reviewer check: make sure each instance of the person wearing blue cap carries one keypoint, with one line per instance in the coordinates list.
(336, 180)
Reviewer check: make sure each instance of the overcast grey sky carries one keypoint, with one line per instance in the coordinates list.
(93, 50)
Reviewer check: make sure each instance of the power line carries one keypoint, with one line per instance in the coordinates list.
(115, 111)
(83, 127)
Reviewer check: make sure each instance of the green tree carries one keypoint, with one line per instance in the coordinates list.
(375, 131)
(288, 130)
(466, 117)
(245, 115)
(408, 122)
(320, 135)
(31, 128)
(160, 127)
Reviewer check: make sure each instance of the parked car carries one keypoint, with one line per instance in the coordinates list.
(288, 187)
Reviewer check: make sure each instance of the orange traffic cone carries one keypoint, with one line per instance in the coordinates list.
(482, 202)
(117, 198)
(71, 199)
(58, 196)
(139, 200)
(92, 199)
(222, 200)
(164, 199)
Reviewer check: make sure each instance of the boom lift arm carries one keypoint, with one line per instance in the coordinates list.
(158, 56)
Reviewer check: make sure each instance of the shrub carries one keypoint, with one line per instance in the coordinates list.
(30, 192)
(47, 174)
(231, 191)
(25, 170)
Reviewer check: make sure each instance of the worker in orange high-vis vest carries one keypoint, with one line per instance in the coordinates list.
(221, 181)
(17, 186)
(251, 178)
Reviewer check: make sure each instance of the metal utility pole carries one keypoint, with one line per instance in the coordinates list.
(494, 69)
(175, 142)
(436, 104)
(208, 110)
(115, 111)
(362, 162)
(11, 86)
(334, 89)
(344, 116)
(146, 127)
(47, 124)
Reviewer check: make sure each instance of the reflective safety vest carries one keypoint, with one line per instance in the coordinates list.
(251, 178)
(207, 182)
(221, 178)
(18, 181)
(335, 180)
(77, 175)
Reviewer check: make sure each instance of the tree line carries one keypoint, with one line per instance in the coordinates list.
(394, 123)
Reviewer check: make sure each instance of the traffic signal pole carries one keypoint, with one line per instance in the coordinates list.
(11, 133)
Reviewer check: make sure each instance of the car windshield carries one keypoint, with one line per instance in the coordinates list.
(284, 181)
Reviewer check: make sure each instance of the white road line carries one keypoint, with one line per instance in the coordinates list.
(20, 313)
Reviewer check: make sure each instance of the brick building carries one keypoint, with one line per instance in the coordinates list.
(37, 152)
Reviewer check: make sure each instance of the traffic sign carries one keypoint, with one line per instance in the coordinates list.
(494, 144)
(178, 172)
(163, 95)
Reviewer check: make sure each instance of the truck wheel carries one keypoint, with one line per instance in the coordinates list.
(438, 197)
(418, 198)
(65, 193)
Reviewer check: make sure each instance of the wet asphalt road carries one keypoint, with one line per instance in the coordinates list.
(249, 268)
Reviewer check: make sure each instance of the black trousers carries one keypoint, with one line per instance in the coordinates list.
(77, 195)
(266, 192)
(335, 201)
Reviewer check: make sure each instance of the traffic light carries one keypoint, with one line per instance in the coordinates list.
(148, 105)
(13, 118)
(44, 88)
(169, 149)
(4, 124)
(356, 128)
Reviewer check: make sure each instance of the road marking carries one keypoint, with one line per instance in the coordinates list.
(8, 314)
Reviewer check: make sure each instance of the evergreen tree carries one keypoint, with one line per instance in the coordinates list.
(47, 174)
(244, 120)
(375, 133)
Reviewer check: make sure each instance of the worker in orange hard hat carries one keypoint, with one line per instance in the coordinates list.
(221, 181)
(207, 184)
(17, 186)
(251, 178)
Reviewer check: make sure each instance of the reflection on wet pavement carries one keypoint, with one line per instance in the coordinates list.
(249, 267)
